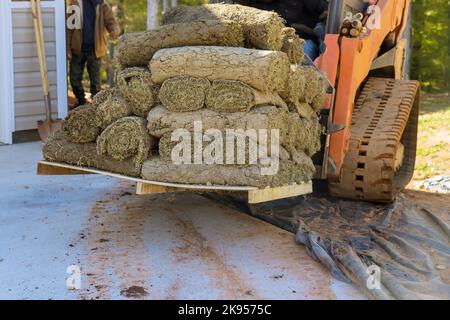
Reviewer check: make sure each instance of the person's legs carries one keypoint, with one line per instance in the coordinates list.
(311, 49)
(77, 64)
(320, 31)
(94, 66)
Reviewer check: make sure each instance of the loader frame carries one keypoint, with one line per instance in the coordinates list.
(347, 63)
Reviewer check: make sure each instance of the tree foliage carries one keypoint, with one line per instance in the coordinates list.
(431, 44)
(132, 14)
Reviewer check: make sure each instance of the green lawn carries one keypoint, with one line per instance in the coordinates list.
(433, 153)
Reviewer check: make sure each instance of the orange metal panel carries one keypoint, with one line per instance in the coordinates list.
(328, 62)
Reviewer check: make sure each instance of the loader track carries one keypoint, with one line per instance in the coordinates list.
(383, 129)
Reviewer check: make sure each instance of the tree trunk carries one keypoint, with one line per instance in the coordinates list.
(152, 14)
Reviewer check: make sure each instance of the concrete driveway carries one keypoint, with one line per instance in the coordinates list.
(93, 234)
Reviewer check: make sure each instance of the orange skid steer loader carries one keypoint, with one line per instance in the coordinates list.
(370, 148)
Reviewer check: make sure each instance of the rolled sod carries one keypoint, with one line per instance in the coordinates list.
(293, 45)
(238, 153)
(314, 82)
(294, 90)
(296, 133)
(126, 139)
(304, 135)
(110, 107)
(103, 95)
(263, 70)
(315, 87)
(319, 100)
(60, 149)
(161, 121)
(137, 49)
(305, 85)
(290, 172)
(136, 86)
(182, 94)
(262, 29)
(304, 110)
(80, 125)
(236, 96)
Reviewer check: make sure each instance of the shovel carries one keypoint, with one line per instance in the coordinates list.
(47, 127)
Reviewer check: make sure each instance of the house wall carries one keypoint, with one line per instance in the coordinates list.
(27, 96)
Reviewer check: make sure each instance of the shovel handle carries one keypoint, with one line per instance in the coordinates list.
(44, 54)
(39, 34)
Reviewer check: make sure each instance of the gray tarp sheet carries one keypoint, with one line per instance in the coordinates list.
(409, 242)
(406, 244)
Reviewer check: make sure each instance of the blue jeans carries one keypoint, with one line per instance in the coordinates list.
(311, 49)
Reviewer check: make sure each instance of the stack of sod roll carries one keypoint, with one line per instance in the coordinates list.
(224, 71)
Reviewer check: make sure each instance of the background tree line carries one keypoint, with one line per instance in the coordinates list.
(430, 60)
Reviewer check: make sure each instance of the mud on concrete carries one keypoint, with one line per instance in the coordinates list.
(184, 246)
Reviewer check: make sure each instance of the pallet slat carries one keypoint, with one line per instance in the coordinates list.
(49, 170)
(272, 194)
(146, 188)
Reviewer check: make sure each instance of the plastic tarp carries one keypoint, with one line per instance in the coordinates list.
(398, 251)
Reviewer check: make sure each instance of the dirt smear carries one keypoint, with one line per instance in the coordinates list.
(119, 238)
(233, 286)
(118, 258)
(134, 292)
(117, 255)
(310, 273)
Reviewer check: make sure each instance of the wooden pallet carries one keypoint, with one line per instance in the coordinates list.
(144, 187)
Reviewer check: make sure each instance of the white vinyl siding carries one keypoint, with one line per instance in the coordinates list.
(28, 96)
(21, 95)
